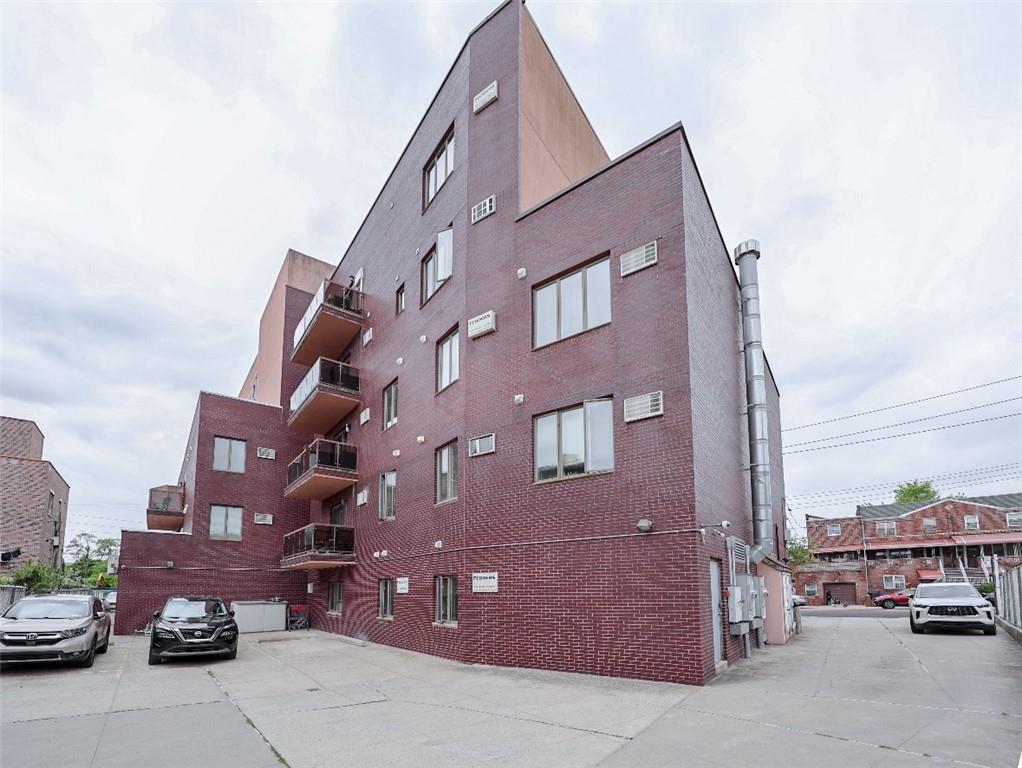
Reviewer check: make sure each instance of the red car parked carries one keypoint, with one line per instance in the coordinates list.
(891, 599)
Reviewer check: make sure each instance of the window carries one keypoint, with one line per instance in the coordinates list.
(439, 167)
(571, 304)
(929, 525)
(811, 589)
(438, 264)
(337, 514)
(386, 599)
(894, 581)
(1014, 519)
(901, 554)
(886, 527)
(399, 300)
(228, 454)
(334, 597)
(446, 600)
(575, 441)
(447, 360)
(447, 472)
(477, 446)
(390, 405)
(972, 522)
(388, 488)
(833, 529)
(225, 522)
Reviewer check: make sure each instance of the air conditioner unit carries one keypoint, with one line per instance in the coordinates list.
(367, 337)
(644, 406)
(484, 208)
(266, 453)
(362, 498)
(263, 518)
(55, 541)
(639, 258)
(363, 417)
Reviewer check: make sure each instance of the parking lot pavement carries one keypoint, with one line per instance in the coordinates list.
(855, 612)
(863, 692)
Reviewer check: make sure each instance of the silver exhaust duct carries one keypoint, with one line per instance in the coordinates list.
(746, 258)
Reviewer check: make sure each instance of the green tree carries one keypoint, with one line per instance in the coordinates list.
(915, 490)
(105, 548)
(799, 551)
(82, 545)
(38, 577)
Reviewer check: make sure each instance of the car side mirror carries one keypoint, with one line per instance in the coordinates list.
(156, 615)
(231, 614)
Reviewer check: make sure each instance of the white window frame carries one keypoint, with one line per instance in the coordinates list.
(385, 605)
(886, 527)
(388, 495)
(833, 529)
(445, 607)
(335, 597)
(235, 454)
(971, 522)
(399, 300)
(439, 168)
(390, 394)
(587, 441)
(438, 265)
(446, 491)
(584, 272)
(448, 360)
(929, 525)
(812, 589)
(1013, 519)
(224, 533)
(894, 581)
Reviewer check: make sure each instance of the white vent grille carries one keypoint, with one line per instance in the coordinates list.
(364, 416)
(263, 518)
(362, 498)
(484, 98)
(266, 453)
(638, 258)
(644, 406)
(367, 337)
(483, 209)
(480, 325)
(477, 446)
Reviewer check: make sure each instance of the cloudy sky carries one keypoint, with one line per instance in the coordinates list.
(158, 161)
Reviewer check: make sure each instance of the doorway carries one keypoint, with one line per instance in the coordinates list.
(715, 611)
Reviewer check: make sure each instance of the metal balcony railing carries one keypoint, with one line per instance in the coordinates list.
(326, 372)
(323, 454)
(319, 539)
(334, 295)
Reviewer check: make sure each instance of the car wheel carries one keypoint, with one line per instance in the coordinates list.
(88, 659)
(916, 630)
(992, 630)
(106, 643)
(154, 659)
(888, 604)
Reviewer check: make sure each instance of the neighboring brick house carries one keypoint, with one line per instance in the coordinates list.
(905, 544)
(33, 497)
(565, 331)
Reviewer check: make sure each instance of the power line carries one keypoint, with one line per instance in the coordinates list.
(856, 500)
(903, 434)
(894, 483)
(901, 405)
(904, 423)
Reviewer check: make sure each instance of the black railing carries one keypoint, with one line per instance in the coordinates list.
(320, 539)
(338, 297)
(328, 372)
(323, 454)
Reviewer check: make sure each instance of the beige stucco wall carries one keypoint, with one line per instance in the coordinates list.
(774, 622)
(298, 271)
(558, 146)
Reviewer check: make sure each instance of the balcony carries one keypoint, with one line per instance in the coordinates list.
(319, 546)
(166, 508)
(333, 319)
(321, 470)
(327, 394)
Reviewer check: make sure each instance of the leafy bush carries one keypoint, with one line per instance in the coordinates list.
(985, 588)
(37, 577)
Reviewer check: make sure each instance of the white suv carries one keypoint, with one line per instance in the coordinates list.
(950, 605)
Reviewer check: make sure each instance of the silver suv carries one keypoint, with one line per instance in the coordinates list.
(944, 605)
(54, 628)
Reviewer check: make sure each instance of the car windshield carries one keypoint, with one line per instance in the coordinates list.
(49, 608)
(946, 590)
(181, 608)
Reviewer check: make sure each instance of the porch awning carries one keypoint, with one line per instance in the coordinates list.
(990, 538)
(928, 575)
(891, 544)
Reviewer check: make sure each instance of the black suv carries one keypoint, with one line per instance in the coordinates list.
(193, 626)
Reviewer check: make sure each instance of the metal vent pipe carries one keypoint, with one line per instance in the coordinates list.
(746, 258)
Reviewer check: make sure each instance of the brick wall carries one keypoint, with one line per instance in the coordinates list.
(20, 437)
(25, 512)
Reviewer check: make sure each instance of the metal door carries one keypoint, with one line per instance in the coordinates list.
(715, 610)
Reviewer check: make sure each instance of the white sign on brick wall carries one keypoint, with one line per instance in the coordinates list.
(402, 585)
(484, 582)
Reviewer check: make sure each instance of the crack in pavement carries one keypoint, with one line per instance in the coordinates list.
(111, 712)
(851, 700)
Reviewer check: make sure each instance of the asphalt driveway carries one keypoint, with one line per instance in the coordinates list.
(859, 691)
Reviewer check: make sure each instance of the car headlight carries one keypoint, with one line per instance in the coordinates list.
(227, 634)
(78, 632)
(164, 632)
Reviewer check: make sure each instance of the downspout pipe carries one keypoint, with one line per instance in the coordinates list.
(746, 259)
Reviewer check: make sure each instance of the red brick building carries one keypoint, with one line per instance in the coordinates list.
(510, 425)
(896, 546)
(33, 497)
